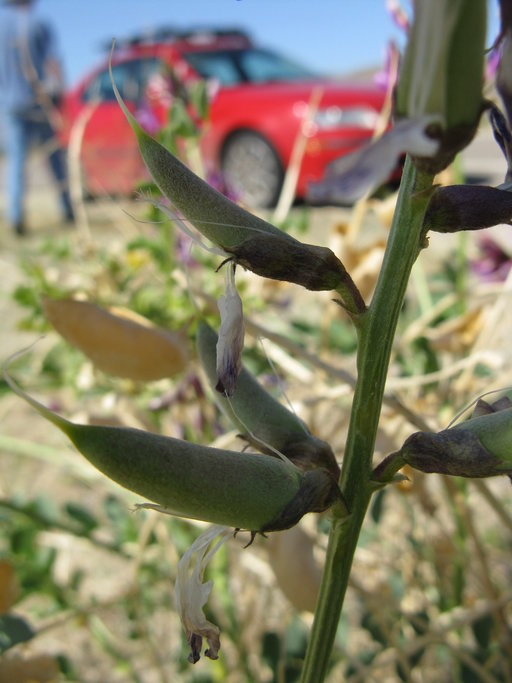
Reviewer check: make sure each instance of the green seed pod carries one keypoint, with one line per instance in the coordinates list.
(216, 217)
(260, 418)
(442, 73)
(232, 228)
(504, 75)
(258, 493)
(494, 431)
(479, 447)
(467, 207)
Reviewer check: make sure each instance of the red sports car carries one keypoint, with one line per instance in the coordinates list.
(258, 104)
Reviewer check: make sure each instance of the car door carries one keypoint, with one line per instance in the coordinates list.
(111, 161)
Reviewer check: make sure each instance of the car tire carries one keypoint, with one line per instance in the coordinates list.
(252, 169)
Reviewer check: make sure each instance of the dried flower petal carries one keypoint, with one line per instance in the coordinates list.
(231, 336)
(352, 176)
(191, 594)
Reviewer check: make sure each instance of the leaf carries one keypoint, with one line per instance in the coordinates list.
(13, 630)
(482, 630)
(199, 98)
(377, 505)
(81, 514)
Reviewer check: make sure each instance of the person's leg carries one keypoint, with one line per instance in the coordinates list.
(57, 162)
(16, 140)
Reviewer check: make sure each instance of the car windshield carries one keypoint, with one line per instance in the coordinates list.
(231, 67)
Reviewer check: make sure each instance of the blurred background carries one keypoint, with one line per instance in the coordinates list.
(320, 36)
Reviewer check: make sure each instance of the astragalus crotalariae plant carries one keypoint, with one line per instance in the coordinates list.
(438, 106)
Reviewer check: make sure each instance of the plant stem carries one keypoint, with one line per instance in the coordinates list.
(376, 333)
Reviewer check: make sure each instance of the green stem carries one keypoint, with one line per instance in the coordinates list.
(376, 333)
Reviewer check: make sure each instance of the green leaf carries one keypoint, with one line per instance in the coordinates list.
(13, 630)
(482, 630)
(377, 505)
(199, 98)
(81, 514)
(180, 123)
(271, 651)
(374, 628)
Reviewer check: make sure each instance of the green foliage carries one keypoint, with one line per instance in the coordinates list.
(13, 630)
(284, 654)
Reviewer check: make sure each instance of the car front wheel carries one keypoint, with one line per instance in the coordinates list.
(252, 169)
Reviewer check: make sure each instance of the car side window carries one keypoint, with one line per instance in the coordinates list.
(130, 78)
(144, 69)
(215, 65)
(261, 66)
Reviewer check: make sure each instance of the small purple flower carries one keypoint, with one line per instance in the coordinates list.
(494, 263)
(492, 63)
(148, 119)
(386, 79)
(183, 247)
(398, 14)
(216, 179)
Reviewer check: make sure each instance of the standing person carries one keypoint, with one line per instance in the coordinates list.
(30, 83)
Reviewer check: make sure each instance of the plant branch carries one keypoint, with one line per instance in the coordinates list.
(376, 333)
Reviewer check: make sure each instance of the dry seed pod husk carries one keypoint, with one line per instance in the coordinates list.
(297, 573)
(115, 344)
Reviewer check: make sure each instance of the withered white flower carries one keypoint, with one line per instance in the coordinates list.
(231, 335)
(352, 176)
(191, 594)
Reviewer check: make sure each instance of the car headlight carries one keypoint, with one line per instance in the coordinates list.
(346, 117)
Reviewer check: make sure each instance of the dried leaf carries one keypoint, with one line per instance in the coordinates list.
(298, 574)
